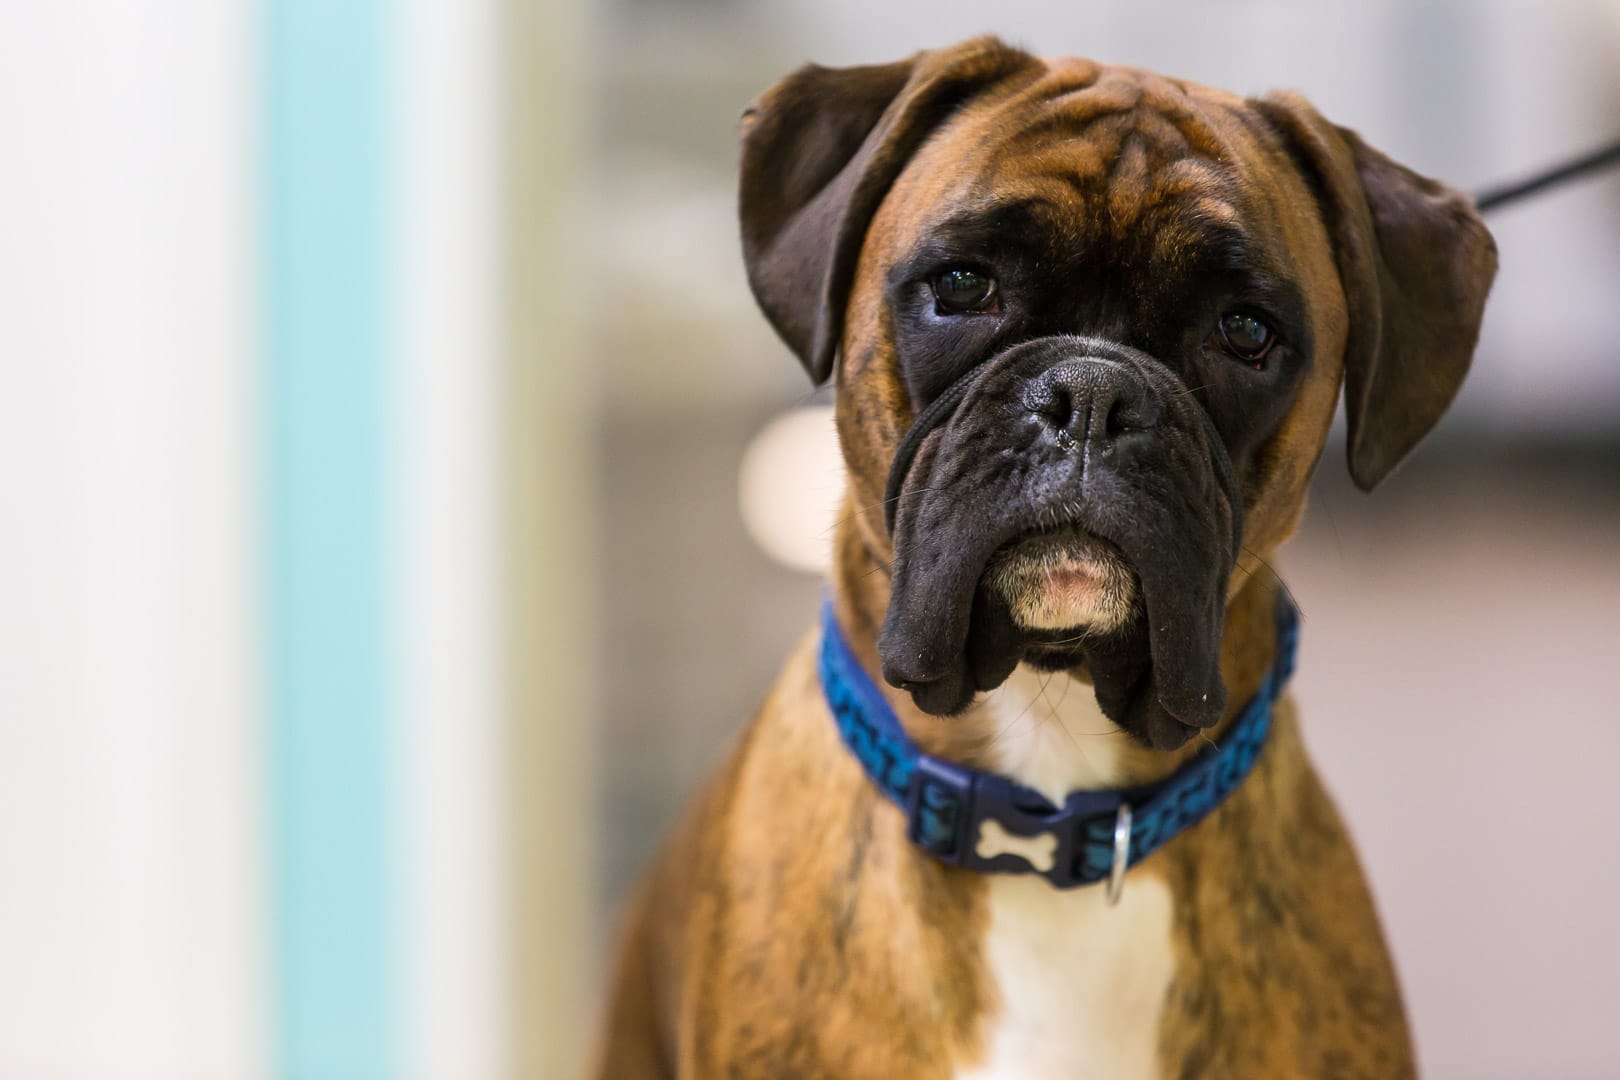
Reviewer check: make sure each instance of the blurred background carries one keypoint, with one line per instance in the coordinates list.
(399, 519)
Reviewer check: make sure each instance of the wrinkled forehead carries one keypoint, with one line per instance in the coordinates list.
(1100, 158)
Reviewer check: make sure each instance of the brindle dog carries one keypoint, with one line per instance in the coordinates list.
(1146, 295)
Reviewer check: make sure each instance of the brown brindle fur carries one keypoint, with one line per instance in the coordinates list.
(789, 930)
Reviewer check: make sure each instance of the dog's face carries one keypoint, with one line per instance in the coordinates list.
(1122, 308)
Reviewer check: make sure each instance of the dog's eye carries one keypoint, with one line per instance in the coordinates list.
(960, 290)
(1246, 336)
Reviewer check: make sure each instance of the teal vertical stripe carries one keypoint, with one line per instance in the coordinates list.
(325, 245)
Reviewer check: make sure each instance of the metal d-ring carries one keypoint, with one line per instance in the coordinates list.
(1122, 853)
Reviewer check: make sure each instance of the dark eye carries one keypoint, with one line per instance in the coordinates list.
(959, 290)
(1247, 336)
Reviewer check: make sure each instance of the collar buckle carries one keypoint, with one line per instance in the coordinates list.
(984, 822)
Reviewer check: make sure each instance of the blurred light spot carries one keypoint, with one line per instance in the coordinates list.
(790, 486)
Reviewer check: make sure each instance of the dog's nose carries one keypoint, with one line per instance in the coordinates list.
(1092, 400)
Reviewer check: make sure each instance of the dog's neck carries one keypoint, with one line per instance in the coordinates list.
(1045, 729)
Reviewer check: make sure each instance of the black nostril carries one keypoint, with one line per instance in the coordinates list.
(1116, 422)
(1059, 407)
(1093, 400)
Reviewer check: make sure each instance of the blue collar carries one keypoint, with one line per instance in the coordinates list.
(1094, 836)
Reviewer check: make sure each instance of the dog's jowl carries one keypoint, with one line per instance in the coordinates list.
(1031, 799)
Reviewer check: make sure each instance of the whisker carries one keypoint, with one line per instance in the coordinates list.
(1083, 635)
(1320, 498)
(1068, 684)
(998, 736)
(1061, 726)
(859, 507)
(876, 566)
(1277, 578)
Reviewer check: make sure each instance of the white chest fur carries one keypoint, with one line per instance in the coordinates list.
(1079, 986)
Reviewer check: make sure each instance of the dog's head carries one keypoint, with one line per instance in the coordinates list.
(1122, 307)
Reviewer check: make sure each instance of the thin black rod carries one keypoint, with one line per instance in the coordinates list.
(1600, 158)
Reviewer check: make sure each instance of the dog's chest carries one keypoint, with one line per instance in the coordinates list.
(1078, 986)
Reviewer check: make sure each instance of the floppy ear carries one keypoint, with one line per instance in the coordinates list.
(1416, 262)
(820, 149)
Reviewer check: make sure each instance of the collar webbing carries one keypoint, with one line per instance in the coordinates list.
(947, 806)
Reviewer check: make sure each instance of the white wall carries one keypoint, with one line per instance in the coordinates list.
(134, 891)
(130, 908)
(447, 445)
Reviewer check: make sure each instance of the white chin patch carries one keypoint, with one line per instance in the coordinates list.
(1061, 590)
(1067, 597)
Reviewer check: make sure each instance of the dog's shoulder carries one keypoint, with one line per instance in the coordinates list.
(788, 929)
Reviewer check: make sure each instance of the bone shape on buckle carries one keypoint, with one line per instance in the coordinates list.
(1038, 850)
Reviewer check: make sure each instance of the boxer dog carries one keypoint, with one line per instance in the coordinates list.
(1088, 326)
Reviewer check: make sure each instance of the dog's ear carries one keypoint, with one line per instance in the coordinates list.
(1416, 264)
(820, 149)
